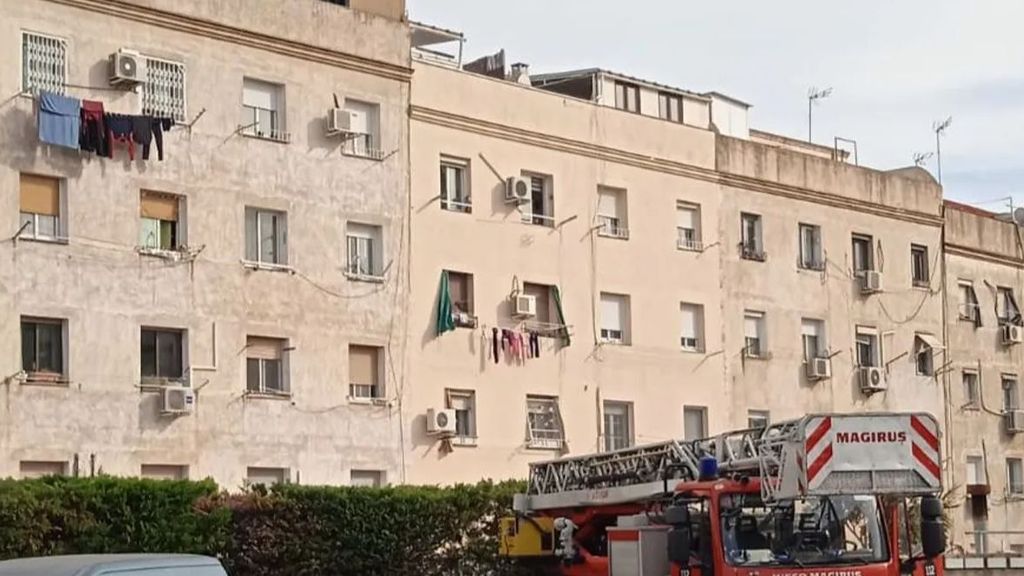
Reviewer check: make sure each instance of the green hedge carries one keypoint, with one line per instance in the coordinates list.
(297, 530)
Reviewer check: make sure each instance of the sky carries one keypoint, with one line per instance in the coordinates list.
(895, 67)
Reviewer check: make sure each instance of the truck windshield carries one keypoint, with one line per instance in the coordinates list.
(818, 530)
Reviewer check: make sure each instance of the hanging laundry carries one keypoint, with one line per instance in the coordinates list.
(535, 344)
(142, 132)
(93, 133)
(119, 129)
(159, 126)
(494, 343)
(60, 119)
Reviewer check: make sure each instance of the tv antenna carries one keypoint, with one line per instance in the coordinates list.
(940, 128)
(920, 158)
(813, 95)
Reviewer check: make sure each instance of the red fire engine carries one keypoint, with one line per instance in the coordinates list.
(823, 495)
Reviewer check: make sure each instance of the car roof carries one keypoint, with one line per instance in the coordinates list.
(87, 564)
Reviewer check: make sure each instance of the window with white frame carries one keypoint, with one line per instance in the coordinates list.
(44, 63)
(162, 354)
(975, 471)
(670, 107)
(688, 236)
(1006, 306)
(464, 404)
(868, 353)
(751, 241)
(364, 372)
(614, 318)
(863, 247)
(627, 96)
(758, 419)
(364, 250)
(691, 331)
(1011, 395)
(455, 192)
(695, 422)
(618, 425)
(754, 334)
(967, 305)
(919, 266)
(42, 468)
(263, 110)
(540, 210)
(41, 205)
(367, 478)
(1015, 476)
(266, 236)
(265, 476)
(265, 371)
(611, 213)
(163, 93)
(812, 332)
(972, 393)
(159, 216)
(544, 422)
(43, 357)
(926, 346)
(364, 138)
(811, 257)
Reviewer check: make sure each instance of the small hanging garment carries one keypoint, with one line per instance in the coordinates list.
(119, 130)
(60, 119)
(159, 125)
(93, 135)
(494, 343)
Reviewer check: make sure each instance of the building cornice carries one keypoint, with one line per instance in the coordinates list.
(590, 150)
(984, 255)
(241, 37)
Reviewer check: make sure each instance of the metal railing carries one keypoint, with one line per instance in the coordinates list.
(456, 206)
(687, 239)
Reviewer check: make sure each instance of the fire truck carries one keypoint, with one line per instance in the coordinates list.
(822, 495)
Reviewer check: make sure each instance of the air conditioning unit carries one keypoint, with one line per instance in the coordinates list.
(178, 400)
(871, 379)
(339, 121)
(127, 68)
(1014, 420)
(441, 422)
(819, 369)
(1012, 334)
(517, 190)
(870, 282)
(524, 305)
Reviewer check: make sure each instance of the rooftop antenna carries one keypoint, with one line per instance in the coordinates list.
(940, 129)
(813, 95)
(920, 158)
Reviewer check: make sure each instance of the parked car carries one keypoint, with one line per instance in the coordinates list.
(114, 564)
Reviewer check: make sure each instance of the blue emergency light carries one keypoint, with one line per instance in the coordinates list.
(708, 468)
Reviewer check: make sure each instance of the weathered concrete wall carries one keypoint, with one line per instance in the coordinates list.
(107, 291)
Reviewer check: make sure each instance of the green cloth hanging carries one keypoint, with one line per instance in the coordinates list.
(445, 321)
(561, 316)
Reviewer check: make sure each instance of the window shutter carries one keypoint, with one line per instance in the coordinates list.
(159, 206)
(607, 203)
(750, 327)
(40, 195)
(685, 217)
(611, 312)
(362, 365)
(251, 239)
(265, 348)
(259, 94)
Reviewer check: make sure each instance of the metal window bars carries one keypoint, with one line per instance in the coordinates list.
(163, 93)
(44, 63)
(611, 227)
(263, 123)
(363, 146)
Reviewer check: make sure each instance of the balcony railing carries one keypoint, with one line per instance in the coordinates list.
(456, 206)
(687, 239)
(611, 227)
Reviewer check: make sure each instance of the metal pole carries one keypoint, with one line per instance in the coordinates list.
(810, 101)
(938, 154)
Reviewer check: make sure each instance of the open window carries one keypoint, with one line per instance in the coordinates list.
(688, 233)
(544, 423)
(863, 249)
(464, 404)
(262, 114)
(926, 348)
(695, 422)
(266, 371)
(160, 221)
(691, 332)
(365, 251)
(811, 257)
(163, 356)
(455, 189)
(812, 332)
(266, 237)
(972, 392)
(1006, 307)
(364, 138)
(751, 240)
(967, 305)
(754, 334)
(540, 210)
(868, 348)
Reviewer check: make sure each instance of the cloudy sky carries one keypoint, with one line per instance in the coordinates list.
(895, 67)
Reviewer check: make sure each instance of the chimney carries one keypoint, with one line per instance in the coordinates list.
(520, 74)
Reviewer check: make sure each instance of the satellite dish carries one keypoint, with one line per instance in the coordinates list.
(1018, 216)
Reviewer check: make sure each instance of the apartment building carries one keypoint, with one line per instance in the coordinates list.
(985, 427)
(229, 305)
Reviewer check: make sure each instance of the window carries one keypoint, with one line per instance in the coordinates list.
(976, 471)
(455, 194)
(43, 63)
(40, 207)
(972, 394)
(691, 332)
(695, 422)
(540, 210)
(460, 290)
(265, 365)
(266, 236)
(42, 348)
(162, 354)
(688, 236)
(163, 94)
(867, 347)
(751, 244)
(1014, 476)
(545, 302)
(159, 215)
(967, 307)
(265, 476)
(810, 247)
(367, 478)
(627, 96)
(611, 213)
(364, 372)
(618, 425)
(925, 347)
(263, 110)
(919, 266)
(39, 468)
(757, 419)
(813, 334)
(544, 422)
(164, 472)
(464, 404)
(670, 107)
(863, 253)
(614, 318)
(364, 137)
(753, 334)
(364, 250)
(1006, 306)
(1011, 397)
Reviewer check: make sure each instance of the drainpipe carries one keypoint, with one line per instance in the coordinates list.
(947, 406)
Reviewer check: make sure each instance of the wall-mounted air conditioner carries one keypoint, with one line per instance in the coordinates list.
(1012, 334)
(178, 400)
(517, 190)
(441, 422)
(524, 305)
(127, 68)
(871, 379)
(870, 282)
(819, 369)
